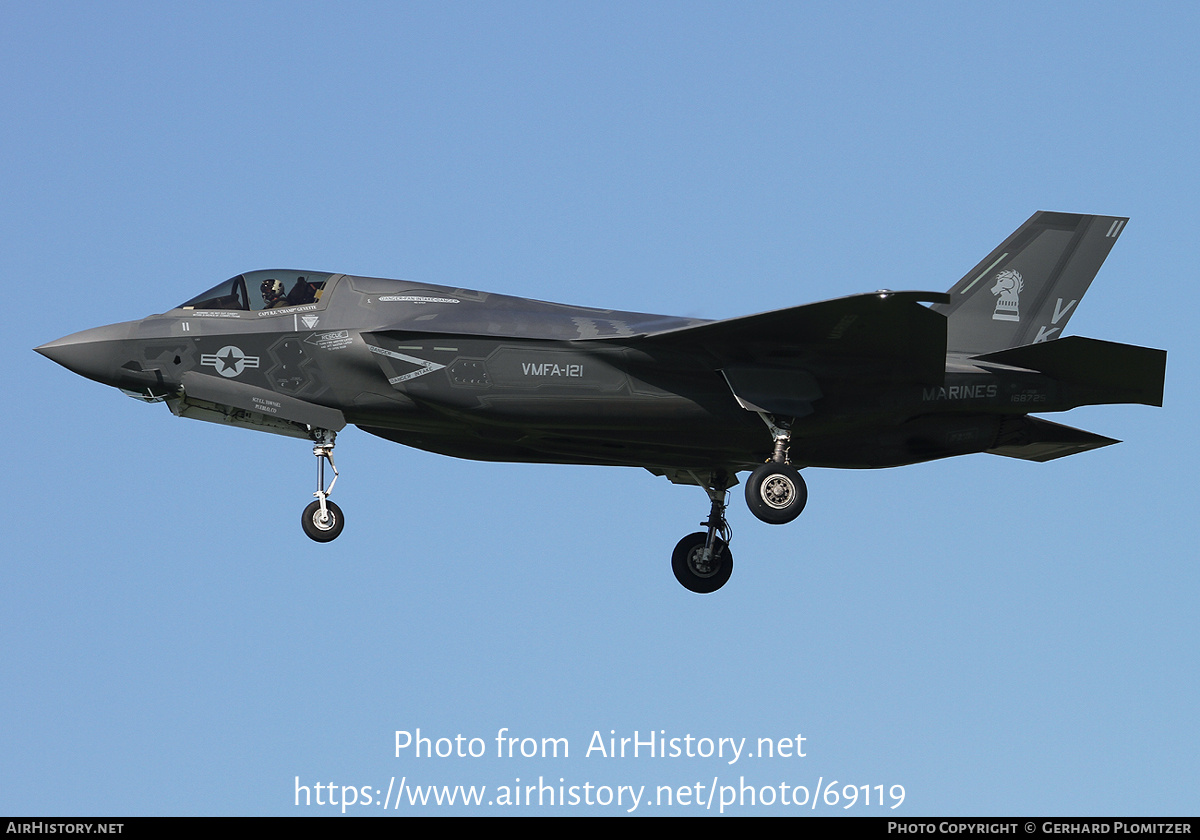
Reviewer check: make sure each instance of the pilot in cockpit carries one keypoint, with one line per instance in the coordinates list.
(272, 294)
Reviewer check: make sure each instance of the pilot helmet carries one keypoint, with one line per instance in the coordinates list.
(272, 290)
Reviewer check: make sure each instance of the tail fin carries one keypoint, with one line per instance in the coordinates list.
(1025, 291)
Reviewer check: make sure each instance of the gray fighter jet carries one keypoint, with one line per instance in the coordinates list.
(871, 380)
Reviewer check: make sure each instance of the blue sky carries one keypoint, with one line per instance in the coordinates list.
(998, 637)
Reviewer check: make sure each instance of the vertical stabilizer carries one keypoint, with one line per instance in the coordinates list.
(1025, 291)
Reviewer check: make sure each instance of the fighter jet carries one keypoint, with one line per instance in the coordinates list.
(879, 379)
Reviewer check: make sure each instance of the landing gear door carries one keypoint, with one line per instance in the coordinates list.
(236, 403)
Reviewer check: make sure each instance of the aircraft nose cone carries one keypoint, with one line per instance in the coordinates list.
(91, 353)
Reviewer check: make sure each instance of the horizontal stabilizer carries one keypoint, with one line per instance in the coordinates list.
(1124, 373)
(890, 329)
(1034, 439)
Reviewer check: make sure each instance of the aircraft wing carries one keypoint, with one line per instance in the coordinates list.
(772, 361)
(889, 331)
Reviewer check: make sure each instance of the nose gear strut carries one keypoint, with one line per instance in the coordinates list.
(322, 520)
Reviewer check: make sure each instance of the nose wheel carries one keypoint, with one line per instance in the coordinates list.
(320, 524)
(322, 520)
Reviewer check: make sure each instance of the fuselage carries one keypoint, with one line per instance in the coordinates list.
(494, 377)
(878, 379)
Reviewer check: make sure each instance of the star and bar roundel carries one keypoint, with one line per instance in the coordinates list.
(229, 361)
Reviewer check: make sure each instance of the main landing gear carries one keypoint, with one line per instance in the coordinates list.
(322, 520)
(702, 562)
(775, 492)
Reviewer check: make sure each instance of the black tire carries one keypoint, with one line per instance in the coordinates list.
(693, 572)
(776, 493)
(322, 530)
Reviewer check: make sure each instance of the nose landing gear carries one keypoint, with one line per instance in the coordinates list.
(322, 525)
(322, 520)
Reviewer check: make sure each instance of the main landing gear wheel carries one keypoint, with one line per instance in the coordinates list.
(702, 562)
(776, 493)
(700, 569)
(322, 526)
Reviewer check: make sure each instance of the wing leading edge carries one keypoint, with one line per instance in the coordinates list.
(889, 331)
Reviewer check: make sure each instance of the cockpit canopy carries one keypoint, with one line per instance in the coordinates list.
(257, 290)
